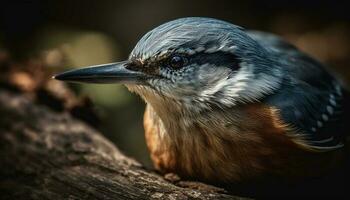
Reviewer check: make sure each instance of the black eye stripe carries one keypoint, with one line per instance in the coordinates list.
(219, 58)
(216, 58)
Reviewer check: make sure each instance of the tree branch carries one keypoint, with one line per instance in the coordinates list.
(51, 155)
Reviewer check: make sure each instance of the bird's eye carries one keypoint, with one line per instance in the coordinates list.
(177, 61)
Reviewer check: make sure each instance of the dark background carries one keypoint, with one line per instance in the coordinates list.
(64, 34)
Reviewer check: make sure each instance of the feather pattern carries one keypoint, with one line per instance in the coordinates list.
(310, 99)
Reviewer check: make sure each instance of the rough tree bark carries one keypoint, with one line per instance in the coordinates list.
(51, 155)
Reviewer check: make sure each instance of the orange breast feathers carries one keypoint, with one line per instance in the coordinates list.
(239, 145)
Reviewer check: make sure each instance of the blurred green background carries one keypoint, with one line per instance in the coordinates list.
(66, 34)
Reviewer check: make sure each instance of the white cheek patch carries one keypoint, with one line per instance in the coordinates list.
(235, 86)
(236, 79)
(242, 87)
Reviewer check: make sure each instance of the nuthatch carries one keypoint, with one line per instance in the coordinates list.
(229, 105)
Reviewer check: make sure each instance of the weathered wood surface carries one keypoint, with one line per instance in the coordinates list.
(47, 154)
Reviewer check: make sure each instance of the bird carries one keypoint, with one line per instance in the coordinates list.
(229, 105)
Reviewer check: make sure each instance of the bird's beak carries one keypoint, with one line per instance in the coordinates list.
(106, 73)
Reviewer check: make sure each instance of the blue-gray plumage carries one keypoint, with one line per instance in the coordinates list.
(309, 99)
(229, 105)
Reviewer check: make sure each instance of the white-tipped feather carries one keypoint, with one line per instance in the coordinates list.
(330, 111)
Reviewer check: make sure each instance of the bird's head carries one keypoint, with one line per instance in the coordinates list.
(195, 62)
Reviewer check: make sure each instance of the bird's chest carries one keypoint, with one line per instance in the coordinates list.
(234, 148)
